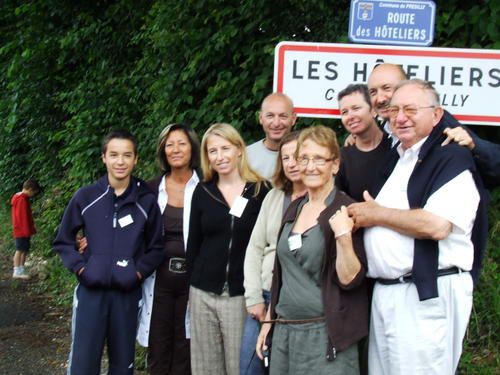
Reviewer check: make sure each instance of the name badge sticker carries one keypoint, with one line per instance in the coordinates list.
(239, 205)
(126, 220)
(295, 242)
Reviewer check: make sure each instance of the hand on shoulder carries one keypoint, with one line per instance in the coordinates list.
(458, 135)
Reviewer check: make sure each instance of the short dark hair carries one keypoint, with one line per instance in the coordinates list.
(32, 185)
(356, 88)
(118, 134)
(194, 162)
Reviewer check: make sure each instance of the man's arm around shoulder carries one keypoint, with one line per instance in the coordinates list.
(153, 237)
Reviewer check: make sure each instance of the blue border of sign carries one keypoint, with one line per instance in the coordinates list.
(388, 41)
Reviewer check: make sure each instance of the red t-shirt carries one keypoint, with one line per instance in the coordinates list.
(22, 218)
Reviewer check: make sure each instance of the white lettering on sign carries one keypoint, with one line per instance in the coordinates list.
(401, 18)
(389, 5)
(312, 74)
(399, 33)
(363, 32)
(413, 6)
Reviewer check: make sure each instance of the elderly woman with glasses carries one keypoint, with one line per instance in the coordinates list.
(319, 306)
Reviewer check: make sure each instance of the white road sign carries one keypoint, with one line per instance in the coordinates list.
(312, 74)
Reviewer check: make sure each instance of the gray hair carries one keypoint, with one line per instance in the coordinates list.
(423, 85)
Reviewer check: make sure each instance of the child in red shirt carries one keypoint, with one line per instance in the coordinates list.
(23, 225)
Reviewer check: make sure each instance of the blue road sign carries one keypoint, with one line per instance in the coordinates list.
(396, 22)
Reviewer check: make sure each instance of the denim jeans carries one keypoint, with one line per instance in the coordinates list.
(250, 363)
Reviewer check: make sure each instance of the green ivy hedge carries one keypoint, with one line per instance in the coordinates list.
(70, 71)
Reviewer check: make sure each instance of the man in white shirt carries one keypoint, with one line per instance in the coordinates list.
(277, 118)
(418, 241)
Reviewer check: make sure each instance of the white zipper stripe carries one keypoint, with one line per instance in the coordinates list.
(95, 201)
(142, 210)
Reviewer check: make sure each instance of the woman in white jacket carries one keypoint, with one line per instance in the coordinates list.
(165, 293)
(259, 258)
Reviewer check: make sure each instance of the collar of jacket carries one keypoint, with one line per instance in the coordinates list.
(157, 185)
(135, 190)
(212, 189)
(291, 214)
(435, 136)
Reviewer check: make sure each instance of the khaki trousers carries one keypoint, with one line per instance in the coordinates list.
(216, 330)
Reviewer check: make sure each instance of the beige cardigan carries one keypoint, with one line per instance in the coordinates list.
(261, 249)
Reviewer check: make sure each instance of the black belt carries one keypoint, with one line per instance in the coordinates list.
(408, 278)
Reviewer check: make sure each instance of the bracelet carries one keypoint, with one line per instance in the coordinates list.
(342, 233)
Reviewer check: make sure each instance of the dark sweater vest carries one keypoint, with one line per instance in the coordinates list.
(436, 166)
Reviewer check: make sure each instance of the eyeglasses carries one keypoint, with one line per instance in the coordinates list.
(408, 110)
(304, 161)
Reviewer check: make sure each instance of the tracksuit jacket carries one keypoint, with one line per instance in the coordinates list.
(124, 235)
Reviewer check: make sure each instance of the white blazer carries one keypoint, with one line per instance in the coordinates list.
(148, 286)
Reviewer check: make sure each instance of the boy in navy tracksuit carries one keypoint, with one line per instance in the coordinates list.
(122, 224)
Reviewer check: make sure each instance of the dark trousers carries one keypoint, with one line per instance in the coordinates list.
(169, 352)
(99, 316)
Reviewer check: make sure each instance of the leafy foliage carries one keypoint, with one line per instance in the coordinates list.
(72, 71)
